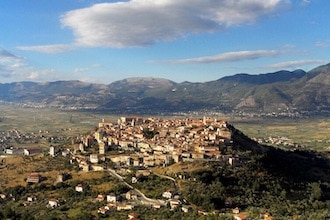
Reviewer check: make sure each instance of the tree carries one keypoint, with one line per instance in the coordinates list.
(283, 194)
(316, 191)
(8, 213)
(147, 133)
(84, 215)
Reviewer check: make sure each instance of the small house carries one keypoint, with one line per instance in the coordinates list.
(34, 178)
(133, 216)
(31, 198)
(236, 210)
(100, 198)
(167, 195)
(53, 203)
(80, 188)
(124, 207)
(175, 203)
(32, 151)
(239, 217)
(112, 198)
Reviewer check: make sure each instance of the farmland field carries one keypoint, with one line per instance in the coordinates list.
(313, 133)
(54, 121)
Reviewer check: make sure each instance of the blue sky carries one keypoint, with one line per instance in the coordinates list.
(181, 40)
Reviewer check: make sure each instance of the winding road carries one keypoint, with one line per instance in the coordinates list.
(145, 200)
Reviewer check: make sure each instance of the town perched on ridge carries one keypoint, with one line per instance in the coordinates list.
(165, 110)
(136, 167)
(162, 141)
(142, 144)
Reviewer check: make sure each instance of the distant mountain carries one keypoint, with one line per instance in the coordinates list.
(281, 91)
(55, 94)
(280, 76)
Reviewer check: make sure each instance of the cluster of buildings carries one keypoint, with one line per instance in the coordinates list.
(149, 142)
(156, 142)
(10, 141)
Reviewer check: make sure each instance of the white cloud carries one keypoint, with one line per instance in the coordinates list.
(323, 44)
(38, 75)
(9, 63)
(53, 48)
(144, 22)
(305, 2)
(80, 70)
(7, 57)
(294, 64)
(15, 68)
(230, 57)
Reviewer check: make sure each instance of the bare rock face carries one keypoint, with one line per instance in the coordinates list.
(249, 102)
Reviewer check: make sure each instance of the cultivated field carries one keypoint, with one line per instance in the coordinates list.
(57, 122)
(313, 133)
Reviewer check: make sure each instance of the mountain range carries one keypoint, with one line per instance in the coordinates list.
(281, 91)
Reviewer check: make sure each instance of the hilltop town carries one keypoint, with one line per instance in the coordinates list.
(127, 150)
(159, 168)
(135, 144)
(155, 142)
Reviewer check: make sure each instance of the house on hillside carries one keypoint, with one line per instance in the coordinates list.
(80, 188)
(236, 210)
(94, 158)
(185, 208)
(34, 178)
(167, 195)
(53, 151)
(112, 198)
(240, 217)
(124, 206)
(14, 151)
(100, 197)
(53, 203)
(31, 198)
(102, 210)
(174, 203)
(131, 195)
(133, 216)
(32, 151)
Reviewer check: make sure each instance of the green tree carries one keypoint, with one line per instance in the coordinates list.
(8, 213)
(147, 133)
(316, 191)
(283, 194)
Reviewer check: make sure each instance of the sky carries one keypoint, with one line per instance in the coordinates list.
(102, 41)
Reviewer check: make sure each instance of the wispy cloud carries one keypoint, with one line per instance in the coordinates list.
(294, 64)
(15, 68)
(323, 44)
(80, 70)
(8, 57)
(305, 2)
(53, 48)
(230, 57)
(38, 75)
(144, 22)
(9, 63)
